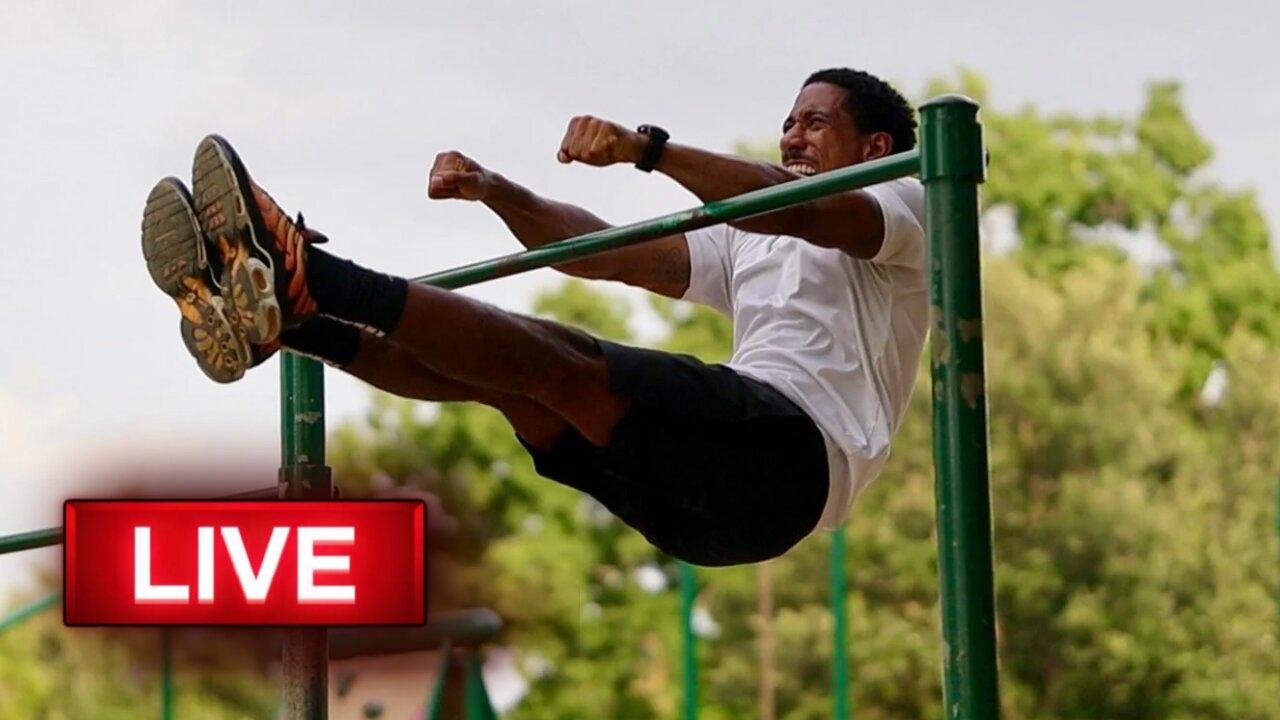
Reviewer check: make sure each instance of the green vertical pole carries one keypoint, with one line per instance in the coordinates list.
(840, 649)
(305, 655)
(166, 674)
(688, 592)
(952, 166)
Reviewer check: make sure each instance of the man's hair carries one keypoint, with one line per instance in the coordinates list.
(873, 104)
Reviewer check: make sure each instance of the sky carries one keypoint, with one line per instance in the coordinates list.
(338, 109)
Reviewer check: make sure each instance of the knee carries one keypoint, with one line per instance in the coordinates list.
(573, 339)
(579, 381)
(376, 353)
(577, 370)
(584, 398)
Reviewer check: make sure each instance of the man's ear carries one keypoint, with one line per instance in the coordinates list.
(878, 145)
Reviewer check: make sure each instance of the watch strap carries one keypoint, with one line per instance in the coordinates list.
(653, 151)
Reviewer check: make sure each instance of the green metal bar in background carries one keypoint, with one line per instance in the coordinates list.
(462, 628)
(476, 697)
(753, 203)
(840, 646)
(30, 609)
(30, 540)
(270, 493)
(689, 593)
(305, 655)
(166, 674)
(952, 166)
(435, 706)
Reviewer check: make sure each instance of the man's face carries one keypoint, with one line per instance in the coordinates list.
(819, 135)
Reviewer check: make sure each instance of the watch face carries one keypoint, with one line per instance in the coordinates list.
(657, 139)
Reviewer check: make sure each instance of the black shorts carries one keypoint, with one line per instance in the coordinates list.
(712, 467)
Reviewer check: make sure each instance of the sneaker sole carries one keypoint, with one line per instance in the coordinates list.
(172, 246)
(232, 223)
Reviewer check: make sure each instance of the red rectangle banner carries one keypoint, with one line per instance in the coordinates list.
(228, 562)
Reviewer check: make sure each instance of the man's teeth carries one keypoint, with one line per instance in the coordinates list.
(801, 169)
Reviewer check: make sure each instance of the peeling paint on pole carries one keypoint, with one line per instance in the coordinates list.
(939, 343)
(972, 387)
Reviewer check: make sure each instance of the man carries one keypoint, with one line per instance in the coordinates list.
(714, 464)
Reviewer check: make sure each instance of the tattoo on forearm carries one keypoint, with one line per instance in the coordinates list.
(666, 266)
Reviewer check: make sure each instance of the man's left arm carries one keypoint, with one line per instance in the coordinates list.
(849, 221)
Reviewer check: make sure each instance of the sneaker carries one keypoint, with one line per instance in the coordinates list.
(180, 265)
(262, 251)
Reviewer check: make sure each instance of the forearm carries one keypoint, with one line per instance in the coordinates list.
(713, 176)
(536, 221)
(659, 265)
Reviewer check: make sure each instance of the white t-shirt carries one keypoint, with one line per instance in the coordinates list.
(839, 336)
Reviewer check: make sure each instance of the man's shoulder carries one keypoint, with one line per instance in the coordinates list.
(744, 240)
(908, 188)
(908, 192)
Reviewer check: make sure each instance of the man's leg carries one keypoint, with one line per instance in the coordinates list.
(276, 279)
(475, 343)
(555, 366)
(389, 367)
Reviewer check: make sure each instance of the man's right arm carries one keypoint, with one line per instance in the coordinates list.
(660, 266)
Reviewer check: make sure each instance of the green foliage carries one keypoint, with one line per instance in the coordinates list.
(48, 672)
(1074, 181)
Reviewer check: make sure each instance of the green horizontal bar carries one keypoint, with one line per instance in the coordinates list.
(757, 202)
(30, 540)
(23, 613)
(53, 536)
(465, 628)
(271, 493)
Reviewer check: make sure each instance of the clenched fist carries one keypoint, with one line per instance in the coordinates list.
(455, 175)
(599, 142)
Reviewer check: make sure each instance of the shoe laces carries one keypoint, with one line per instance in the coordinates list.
(314, 237)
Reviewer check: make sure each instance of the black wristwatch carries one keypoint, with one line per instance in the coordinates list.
(657, 141)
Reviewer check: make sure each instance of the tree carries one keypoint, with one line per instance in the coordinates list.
(50, 672)
(1075, 183)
